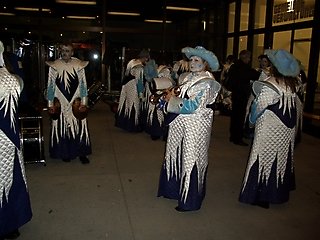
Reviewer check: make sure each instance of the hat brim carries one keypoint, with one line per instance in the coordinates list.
(206, 55)
(284, 62)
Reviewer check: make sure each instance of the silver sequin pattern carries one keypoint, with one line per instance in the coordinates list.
(9, 92)
(192, 133)
(269, 132)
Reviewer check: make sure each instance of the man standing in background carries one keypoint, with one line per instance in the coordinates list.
(67, 103)
(241, 75)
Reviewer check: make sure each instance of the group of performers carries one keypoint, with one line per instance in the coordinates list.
(181, 106)
(140, 94)
(69, 137)
(178, 108)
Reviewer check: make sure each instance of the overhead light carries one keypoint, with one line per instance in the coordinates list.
(77, 2)
(81, 17)
(124, 13)
(156, 21)
(182, 9)
(204, 25)
(32, 9)
(6, 14)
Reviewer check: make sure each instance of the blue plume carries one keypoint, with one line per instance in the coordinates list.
(150, 70)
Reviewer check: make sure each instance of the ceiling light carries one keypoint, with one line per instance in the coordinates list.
(124, 13)
(6, 14)
(81, 17)
(32, 9)
(156, 21)
(182, 9)
(77, 2)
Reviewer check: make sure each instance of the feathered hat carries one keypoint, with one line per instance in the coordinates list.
(205, 54)
(284, 62)
(131, 64)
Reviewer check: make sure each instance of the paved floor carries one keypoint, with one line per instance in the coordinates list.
(114, 197)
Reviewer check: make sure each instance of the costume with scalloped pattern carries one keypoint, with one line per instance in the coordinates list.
(183, 174)
(128, 116)
(269, 176)
(69, 136)
(15, 208)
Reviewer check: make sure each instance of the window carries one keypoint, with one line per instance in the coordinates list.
(318, 87)
(244, 16)
(230, 46)
(292, 11)
(260, 14)
(282, 40)
(232, 12)
(301, 46)
(243, 40)
(258, 49)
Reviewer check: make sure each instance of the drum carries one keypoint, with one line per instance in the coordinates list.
(78, 112)
(160, 83)
(32, 141)
(56, 109)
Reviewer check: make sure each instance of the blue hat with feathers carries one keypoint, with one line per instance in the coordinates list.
(205, 54)
(150, 70)
(284, 62)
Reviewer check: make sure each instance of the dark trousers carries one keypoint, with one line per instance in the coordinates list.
(237, 117)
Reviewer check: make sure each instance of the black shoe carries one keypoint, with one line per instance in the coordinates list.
(179, 209)
(84, 160)
(66, 159)
(264, 205)
(240, 143)
(13, 235)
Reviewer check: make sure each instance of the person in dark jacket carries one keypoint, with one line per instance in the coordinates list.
(241, 75)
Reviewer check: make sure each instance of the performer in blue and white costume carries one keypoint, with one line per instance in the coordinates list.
(132, 95)
(155, 118)
(67, 83)
(15, 208)
(183, 174)
(269, 176)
